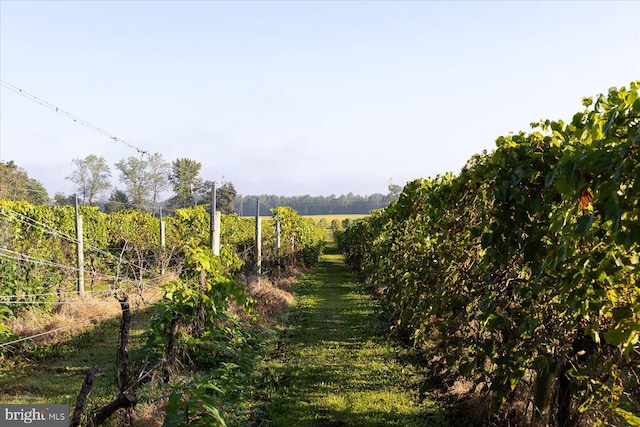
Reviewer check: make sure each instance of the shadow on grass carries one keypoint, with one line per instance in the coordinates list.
(333, 366)
(54, 373)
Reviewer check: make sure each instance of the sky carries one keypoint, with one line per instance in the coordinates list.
(295, 97)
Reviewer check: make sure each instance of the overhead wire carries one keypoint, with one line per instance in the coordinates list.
(89, 125)
(73, 117)
(55, 232)
(91, 320)
(110, 135)
(30, 221)
(110, 292)
(17, 256)
(38, 295)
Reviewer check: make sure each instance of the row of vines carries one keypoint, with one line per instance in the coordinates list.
(520, 272)
(39, 247)
(195, 348)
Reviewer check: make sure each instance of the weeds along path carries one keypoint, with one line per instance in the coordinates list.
(332, 365)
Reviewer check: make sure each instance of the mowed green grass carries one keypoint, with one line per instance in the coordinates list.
(333, 366)
(339, 217)
(55, 373)
(317, 218)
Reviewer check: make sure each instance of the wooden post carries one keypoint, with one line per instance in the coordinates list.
(171, 352)
(80, 249)
(162, 244)
(81, 403)
(278, 240)
(258, 239)
(123, 401)
(122, 371)
(294, 257)
(212, 220)
(277, 232)
(216, 234)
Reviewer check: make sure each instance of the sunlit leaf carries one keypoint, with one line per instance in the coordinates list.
(586, 197)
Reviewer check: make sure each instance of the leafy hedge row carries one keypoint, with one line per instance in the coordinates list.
(123, 244)
(521, 271)
(126, 244)
(301, 240)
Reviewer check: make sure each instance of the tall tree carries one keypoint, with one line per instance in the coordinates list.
(61, 199)
(117, 201)
(144, 180)
(134, 175)
(394, 190)
(225, 196)
(158, 171)
(15, 184)
(91, 177)
(185, 178)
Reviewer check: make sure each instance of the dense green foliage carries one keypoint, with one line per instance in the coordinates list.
(40, 240)
(191, 329)
(39, 250)
(15, 184)
(301, 241)
(521, 271)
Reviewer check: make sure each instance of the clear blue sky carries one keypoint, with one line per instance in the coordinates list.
(300, 97)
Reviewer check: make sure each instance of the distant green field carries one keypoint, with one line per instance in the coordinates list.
(317, 218)
(339, 217)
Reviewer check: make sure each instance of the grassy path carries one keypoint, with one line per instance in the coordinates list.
(333, 366)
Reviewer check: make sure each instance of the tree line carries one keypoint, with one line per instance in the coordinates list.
(143, 181)
(319, 205)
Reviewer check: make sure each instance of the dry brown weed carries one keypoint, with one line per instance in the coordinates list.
(148, 415)
(272, 297)
(74, 315)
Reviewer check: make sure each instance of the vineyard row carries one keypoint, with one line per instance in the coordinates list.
(520, 273)
(38, 259)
